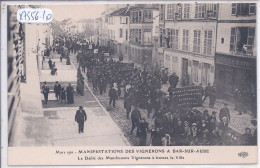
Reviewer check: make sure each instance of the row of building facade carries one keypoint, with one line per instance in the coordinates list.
(26, 44)
(208, 42)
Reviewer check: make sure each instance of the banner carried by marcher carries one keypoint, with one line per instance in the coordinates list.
(126, 66)
(187, 97)
(95, 51)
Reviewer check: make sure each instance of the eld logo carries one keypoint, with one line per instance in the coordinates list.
(243, 154)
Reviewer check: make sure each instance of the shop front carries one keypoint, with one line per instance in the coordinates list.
(234, 72)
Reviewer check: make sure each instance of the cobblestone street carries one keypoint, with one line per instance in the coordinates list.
(237, 125)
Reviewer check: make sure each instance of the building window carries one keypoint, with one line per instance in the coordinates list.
(186, 12)
(252, 9)
(242, 40)
(195, 69)
(185, 40)
(200, 10)
(175, 39)
(120, 33)
(147, 37)
(211, 11)
(169, 43)
(233, 40)
(234, 9)
(243, 9)
(126, 34)
(132, 17)
(161, 9)
(173, 11)
(139, 16)
(126, 20)
(170, 12)
(208, 34)
(196, 41)
(163, 38)
(123, 20)
(135, 17)
(140, 36)
(136, 35)
(148, 14)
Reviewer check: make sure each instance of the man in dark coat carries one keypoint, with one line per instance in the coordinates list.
(142, 130)
(45, 92)
(207, 92)
(80, 118)
(135, 117)
(173, 80)
(70, 94)
(112, 95)
(57, 89)
(127, 105)
(212, 96)
(50, 63)
(101, 84)
(156, 137)
(224, 112)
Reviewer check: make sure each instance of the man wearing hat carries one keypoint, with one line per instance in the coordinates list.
(224, 112)
(80, 118)
(45, 91)
(57, 89)
(135, 117)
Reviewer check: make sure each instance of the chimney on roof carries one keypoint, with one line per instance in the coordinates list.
(128, 7)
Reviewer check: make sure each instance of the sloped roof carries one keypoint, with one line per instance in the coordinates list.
(121, 12)
(145, 6)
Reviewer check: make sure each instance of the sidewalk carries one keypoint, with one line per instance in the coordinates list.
(31, 128)
(99, 128)
(65, 73)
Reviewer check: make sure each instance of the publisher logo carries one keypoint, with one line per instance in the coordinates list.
(243, 154)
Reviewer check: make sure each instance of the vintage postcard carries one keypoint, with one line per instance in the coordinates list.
(91, 83)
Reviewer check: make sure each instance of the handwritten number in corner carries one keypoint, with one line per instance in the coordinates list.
(40, 15)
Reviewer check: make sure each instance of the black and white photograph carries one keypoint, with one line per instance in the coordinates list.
(151, 74)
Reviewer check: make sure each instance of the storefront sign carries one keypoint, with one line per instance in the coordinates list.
(236, 61)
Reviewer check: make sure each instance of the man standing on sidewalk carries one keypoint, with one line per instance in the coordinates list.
(50, 63)
(45, 91)
(57, 89)
(80, 118)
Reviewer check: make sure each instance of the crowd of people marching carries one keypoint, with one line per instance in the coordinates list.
(141, 90)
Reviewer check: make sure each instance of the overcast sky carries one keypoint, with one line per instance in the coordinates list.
(76, 12)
